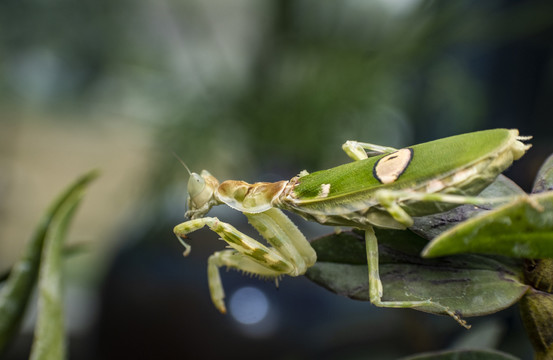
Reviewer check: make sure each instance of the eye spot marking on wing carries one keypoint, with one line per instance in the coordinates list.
(390, 167)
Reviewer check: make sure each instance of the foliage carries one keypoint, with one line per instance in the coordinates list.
(507, 240)
(42, 259)
(472, 284)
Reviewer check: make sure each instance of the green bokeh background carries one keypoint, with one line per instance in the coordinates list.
(256, 91)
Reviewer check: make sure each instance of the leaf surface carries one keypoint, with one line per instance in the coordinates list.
(471, 285)
(522, 228)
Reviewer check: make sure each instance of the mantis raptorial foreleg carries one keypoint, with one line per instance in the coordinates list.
(232, 259)
(375, 284)
(356, 149)
(289, 253)
(286, 239)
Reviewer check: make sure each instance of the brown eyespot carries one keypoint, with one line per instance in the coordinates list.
(389, 168)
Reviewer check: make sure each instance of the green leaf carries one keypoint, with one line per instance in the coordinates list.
(544, 179)
(431, 226)
(472, 285)
(521, 228)
(70, 250)
(463, 355)
(536, 307)
(49, 341)
(15, 293)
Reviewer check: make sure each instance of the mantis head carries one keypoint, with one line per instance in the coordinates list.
(201, 194)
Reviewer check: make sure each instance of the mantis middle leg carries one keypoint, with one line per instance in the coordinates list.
(375, 284)
(356, 149)
(391, 199)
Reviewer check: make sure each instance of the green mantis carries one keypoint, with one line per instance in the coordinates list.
(383, 187)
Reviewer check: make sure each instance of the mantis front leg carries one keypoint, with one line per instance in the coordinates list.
(233, 259)
(290, 253)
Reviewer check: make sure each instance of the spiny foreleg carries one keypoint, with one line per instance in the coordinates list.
(232, 259)
(249, 255)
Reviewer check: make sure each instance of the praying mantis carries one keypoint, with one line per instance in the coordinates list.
(382, 187)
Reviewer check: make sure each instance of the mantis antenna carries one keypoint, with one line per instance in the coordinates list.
(183, 164)
(196, 183)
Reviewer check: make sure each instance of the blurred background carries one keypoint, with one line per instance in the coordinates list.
(255, 91)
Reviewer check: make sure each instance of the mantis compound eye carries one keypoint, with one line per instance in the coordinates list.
(196, 184)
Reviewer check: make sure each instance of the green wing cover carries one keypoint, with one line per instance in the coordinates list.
(431, 160)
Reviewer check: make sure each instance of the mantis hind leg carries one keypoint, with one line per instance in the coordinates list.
(390, 200)
(376, 289)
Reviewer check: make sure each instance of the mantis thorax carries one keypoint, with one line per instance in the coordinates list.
(250, 198)
(204, 191)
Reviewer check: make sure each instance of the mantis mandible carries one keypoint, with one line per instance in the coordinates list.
(382, 187)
